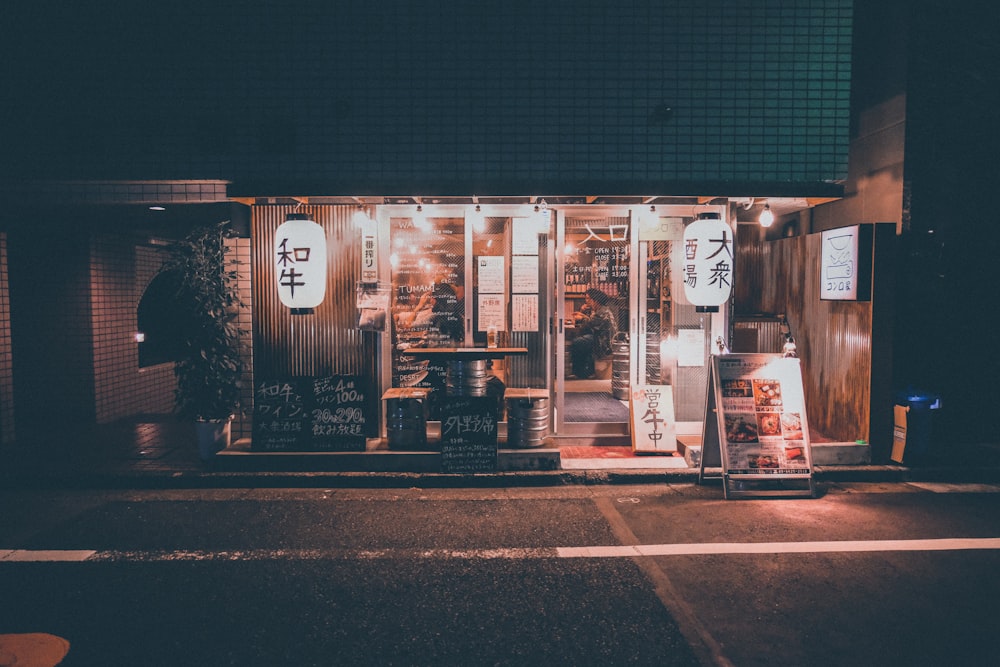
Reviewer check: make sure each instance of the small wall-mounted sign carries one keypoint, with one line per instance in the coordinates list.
(846, 264)
(369, 251)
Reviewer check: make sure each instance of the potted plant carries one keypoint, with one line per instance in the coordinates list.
(208, 371)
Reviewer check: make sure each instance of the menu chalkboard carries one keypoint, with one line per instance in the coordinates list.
(337, 414)
(279, 413)
(468, 434)
(310, 414)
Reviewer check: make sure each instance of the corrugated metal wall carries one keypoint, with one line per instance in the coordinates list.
(833, 337)
(328, 341)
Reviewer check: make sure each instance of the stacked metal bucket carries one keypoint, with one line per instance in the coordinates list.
(467, 377)
(527, 418)
(406, 420)
(619, 369)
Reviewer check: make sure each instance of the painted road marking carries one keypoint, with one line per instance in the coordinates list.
(633, 551)
(710, 548)
(47, 556)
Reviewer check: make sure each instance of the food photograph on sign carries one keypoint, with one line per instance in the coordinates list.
(741, 427)
(791, 425)
(767, 393)
(768, 424)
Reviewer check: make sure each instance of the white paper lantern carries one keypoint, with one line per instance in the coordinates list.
(300, 262)
(707, 261)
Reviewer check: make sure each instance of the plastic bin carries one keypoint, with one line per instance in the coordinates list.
(913, 439)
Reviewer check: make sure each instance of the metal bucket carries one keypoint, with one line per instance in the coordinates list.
(527, 422)
(467, 377)
(406, 423)
(619, 370)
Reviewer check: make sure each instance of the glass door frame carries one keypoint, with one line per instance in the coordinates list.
(637, 324)
(560, 426)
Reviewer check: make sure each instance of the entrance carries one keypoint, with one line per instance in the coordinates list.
(620, 264)
(523, 273)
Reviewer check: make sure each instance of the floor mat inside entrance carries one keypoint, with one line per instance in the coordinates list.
(594, 406)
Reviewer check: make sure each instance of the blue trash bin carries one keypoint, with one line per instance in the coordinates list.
(919, 424)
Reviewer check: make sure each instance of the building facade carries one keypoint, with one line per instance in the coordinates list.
(600, 115)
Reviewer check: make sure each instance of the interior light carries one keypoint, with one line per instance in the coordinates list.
(766, 217)
(420, 220)
(157, 208)
(477, 220)
(360, 218)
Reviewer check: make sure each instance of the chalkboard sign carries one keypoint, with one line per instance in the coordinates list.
(337, 414)
(279, 415)
(468, 434)
(310, 414)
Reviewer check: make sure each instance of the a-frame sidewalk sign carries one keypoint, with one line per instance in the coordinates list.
(755, 427)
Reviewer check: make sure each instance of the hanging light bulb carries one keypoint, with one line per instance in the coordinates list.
(420, 220)
(360, 218)
(477, 220)
(766, 217)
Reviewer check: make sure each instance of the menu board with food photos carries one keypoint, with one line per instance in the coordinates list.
(755, 425)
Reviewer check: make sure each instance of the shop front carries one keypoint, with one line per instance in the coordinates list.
(566, 306)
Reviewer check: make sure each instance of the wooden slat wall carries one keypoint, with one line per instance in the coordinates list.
(833, 337)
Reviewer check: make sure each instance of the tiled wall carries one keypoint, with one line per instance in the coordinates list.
(120, 271)
(6, 367)
(570, 96)
(239, 255)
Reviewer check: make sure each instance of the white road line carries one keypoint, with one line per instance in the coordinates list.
(46, 556)
(709, 548)
(632, 551)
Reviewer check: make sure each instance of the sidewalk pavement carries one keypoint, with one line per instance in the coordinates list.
(161, 453)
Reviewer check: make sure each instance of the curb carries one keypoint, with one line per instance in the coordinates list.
(527, 479)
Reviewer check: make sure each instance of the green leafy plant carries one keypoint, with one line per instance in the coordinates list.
(208, 372)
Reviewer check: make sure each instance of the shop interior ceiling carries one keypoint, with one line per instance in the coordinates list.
(747, 208)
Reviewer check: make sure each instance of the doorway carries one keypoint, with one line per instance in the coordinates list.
(627, 260)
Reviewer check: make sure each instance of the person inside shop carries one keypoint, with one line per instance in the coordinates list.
(420, 316)
(595, 333)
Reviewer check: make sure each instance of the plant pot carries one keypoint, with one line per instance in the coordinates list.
(213, 435)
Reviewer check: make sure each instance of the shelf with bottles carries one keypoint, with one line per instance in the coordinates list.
(578, 278)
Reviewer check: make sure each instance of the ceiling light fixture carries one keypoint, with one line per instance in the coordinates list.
(766, 216)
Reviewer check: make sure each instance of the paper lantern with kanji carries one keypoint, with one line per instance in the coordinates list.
(300, 262)
(707, 261)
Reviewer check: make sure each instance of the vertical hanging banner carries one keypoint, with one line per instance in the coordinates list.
(708, 262)
(300, 262)
(369, 251)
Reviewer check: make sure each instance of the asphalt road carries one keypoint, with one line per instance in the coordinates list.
(866, 574)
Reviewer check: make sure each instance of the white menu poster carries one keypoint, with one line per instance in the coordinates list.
(525, 237)
(524, 274)
(492, 312)
(491, 278)
(524, 312)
